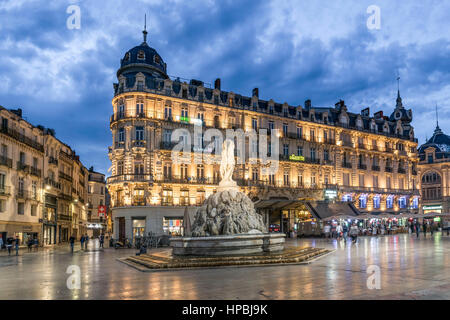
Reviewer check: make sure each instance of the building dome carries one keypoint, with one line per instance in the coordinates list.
(145, 59)
(440, 141)
(400, 113)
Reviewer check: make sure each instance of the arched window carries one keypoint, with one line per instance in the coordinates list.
(141, 55)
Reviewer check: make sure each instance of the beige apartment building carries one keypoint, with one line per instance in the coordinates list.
(434, 172)
(43, 184)
(326, 153)
(97, 210)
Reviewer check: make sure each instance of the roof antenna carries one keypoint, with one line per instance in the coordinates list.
(145, 29)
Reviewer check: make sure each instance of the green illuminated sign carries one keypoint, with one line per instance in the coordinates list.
(296, 158)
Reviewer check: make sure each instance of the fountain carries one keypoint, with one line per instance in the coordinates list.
(227, 231)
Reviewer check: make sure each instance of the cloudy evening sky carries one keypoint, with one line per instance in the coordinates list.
(291, 50)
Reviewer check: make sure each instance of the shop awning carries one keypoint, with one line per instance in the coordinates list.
(280, 204)
(330, 210)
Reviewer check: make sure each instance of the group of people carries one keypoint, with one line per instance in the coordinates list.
(427, 225)
(84, 240)
(10, 242)
(341, 231)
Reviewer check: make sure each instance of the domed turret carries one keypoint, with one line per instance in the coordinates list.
(400, 113)
(145, 59)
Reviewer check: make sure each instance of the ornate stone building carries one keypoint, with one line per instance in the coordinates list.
(434, 172)
(42, 183)
(329, 152)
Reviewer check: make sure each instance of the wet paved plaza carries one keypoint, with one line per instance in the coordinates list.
(410, 269)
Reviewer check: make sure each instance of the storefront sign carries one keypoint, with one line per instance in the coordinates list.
(330, 194)
(293, 157)
(435, 207)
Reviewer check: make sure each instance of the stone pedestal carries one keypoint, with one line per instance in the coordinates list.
(240, 244)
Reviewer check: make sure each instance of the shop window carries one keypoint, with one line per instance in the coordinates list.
(138, 228)
(376, 202)
(173, 226)
(363, 202)
(390, 202)
(402, 202)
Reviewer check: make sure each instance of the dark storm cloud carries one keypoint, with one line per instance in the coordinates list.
(63, 78)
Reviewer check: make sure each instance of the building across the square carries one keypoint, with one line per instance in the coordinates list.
(325, 153)
(434, 168)
(43, 184)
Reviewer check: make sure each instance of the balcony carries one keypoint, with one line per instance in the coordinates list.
(401, 170)
(64, 217)
(347, 165)
(347, 143)
(119, 145)
(362, 166)
(52, 183)
(23, 167)
(22, 138)
(64, 196)
(330, 141)
(188, 180)
(5, 191)
(26, 195)
(4, 161)
(53, 161)
(388, 169)
(362, 145)
(375, 168)
(65, 155)
(65, 176)
(130, 178)
(139, 143)
(35, 172)
(402, 152)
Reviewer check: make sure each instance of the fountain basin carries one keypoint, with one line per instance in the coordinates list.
(228, 245)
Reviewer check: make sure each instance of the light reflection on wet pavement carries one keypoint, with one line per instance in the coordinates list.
(410, 269)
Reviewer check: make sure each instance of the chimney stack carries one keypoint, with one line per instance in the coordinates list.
(308, 104)
(255, 92)
(217, 84)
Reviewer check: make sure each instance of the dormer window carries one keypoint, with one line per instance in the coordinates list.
(141, 55)
(127, 56)
(157, 59)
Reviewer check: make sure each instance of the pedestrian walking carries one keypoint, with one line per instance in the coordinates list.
(72, 243)
(86, 240)
(9, 244)
(36, 244)
(431, 228)
(339, 231)
(102, 240)
(326, 230)
(417, 227)
(424, 225)
(354, 231)
(82, 239)
(17, 245)
(30, 244)
(1, 242)
(345, 231)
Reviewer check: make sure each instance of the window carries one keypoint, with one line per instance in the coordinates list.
(138, 168)
(402, 202)
(271, 179)
(119, 167)
(375, 181)
(22, 158)
(139, 108)
(141, 55)
(184, 171)
(401, 183)
(168, 112)
(271, 125)
(34, 193)
(33, 210)
(255, 174)
(313, 179)
(311, 135)
(2, 205)
(121, 134)
(254, 124)
(346, 179)
(20, 208)
(200, 172)
(101, 190)
(286, 149)
(300, 179)
(361, 180)
(184, 114)
(326, 180)
(167, 136)
(2, 182)
(313, 153)
(299, 132)
(388, 182)
(376, 202)
(121, 111)
(285, 129)
(326, 155)
(299, 150)
(363, 201)
(139, 133)
(167, 171)
(286, 178)
(389, 202)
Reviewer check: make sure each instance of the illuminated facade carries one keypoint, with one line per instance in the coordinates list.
(96, 203)
(42, 183)
(324, 152)
(434, 171)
